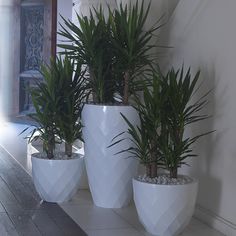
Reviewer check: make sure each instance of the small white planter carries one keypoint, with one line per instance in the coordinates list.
(37, 146)
(56, 180)
(110, 176)
(165, 210)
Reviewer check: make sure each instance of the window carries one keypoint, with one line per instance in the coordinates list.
(35, 46)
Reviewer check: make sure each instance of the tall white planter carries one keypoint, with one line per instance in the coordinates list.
(165, 210)
(109, 175)
(56, 180)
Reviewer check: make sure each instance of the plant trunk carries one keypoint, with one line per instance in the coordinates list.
(94, 93)
(68, 149)
(126, 88)
(148, 170)
(49, 145)
(151, 170)
(153, 160)
(49, 151)
(174, 172)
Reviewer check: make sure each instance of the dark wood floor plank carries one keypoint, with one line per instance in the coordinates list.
(21, 192)
(2, 209)
(23, 212)
(46, 225)
(52, 209)
(68, 226)
(6, 226)
(24, 225)
(6, 196)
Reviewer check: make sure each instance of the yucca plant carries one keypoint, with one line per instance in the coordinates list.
(90, 43)
(73, 92)
(116, 49)
(145, 137)
(165, 112)
(132, 47)
(46, 98)
(179, 111)
(58, 104)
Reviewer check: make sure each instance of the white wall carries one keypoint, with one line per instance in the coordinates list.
(64, 8)
(9, 52)
(83, 7)
(203, 35)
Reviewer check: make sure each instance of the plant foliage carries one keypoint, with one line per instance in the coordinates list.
(132, 46)
(180, 110)
(72, 88)
(91, 44)
(46, 98)
(58, 104)
(145, 137)
(116, 49)
(165, 112)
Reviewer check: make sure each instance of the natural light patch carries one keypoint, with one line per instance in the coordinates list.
(7, 59)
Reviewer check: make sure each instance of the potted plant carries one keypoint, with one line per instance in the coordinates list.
(165, 202)
(73, 92)
(57, 102)
(116, 50)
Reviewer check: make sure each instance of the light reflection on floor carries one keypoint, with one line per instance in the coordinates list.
(14, 143)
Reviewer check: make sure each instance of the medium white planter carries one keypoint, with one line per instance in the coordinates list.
(165, 210)
(109, 175)
(56, 180)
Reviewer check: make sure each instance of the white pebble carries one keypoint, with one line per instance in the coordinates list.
(165, 180)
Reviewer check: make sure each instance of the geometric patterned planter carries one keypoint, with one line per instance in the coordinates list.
(165, 210)
(109, 176)
(36, 146)
(56, 180)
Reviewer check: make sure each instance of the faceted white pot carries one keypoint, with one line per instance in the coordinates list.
(165, 210)
(36, 146)
(109, 175)
(56, 180)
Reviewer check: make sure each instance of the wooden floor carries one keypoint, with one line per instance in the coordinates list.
(21, 210)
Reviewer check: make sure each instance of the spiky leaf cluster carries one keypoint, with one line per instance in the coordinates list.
(166, 110)
(116, 49)
(58, 103)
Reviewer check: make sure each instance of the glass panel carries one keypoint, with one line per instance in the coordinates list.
(32, 41)
(32, 22)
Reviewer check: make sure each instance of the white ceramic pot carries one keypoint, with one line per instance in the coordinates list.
(109, 175)
(56, 180)
(165, 210)
(36, 146)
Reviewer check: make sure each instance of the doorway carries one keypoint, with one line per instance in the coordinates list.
(37, 45)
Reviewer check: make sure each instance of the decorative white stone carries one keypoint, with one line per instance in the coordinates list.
(109, 175)
(165, 179)
(165, 210)
(56, 180)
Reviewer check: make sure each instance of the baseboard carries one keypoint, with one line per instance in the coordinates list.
(222, 225)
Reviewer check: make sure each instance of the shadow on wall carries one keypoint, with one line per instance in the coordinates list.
(165, 11)
(202, 165)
